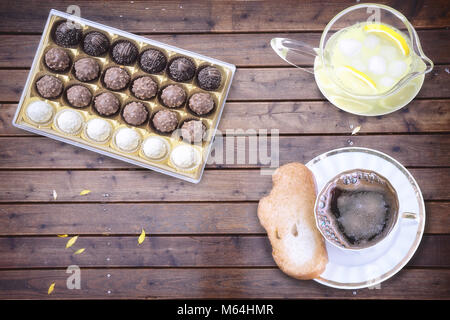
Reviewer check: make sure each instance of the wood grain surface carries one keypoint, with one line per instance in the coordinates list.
(204, 240)
(257, 84)
(253, 48)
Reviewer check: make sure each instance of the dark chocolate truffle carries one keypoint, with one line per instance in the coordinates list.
(153, 61)
(57, 59)
(79, 96)
(116, 78)
(182, 69)
(201, 103)
(193, 131)
(165, 121)
(144, 88)
(135, 113)
(209, 78)
(124, 52)
(86, 69)
(106, 104)
(67, 34)
(95, 44)
(49, 87)
(173, 96)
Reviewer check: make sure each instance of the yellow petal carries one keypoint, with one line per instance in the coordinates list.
(84, 192)
(62, 235)
(79, 251)
(51, 288)
(141, 237)
(71, 242)
(356, 130)
(55, 195)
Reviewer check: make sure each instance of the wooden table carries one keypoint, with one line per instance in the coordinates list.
(204, 241)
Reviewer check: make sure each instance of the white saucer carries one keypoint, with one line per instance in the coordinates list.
(356, 270)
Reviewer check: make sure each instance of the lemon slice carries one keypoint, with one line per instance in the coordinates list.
(360, 75)
(391, 33)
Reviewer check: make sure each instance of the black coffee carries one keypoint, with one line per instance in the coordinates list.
(361, 215)
(357, 209)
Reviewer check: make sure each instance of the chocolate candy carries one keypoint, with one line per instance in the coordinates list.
(209, 78)
(116, 78)
(86, 69)
(79, 96)
(67, 34)
(95, 44)
(181, 69)
(165, 121)
(57, 59)
(201, 103)
(173, 96)
(106, 104)
(153, 61)
(135, 113)
(124, 52)
(49, 87)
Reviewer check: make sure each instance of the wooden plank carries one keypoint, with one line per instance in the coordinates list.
(294, 84)
(257, 84)
(158, 219)
(310, 117)
(167, 218)
(434, 218)
(157, 251)
(211, 283)
(254, 49)
(44, 153)
(149, 186)
(211, 16)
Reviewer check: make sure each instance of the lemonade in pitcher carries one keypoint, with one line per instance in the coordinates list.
(368, 59)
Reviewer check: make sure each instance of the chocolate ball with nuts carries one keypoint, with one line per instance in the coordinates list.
(79, 96)
(165, 121)
(173, 96)
(106, 104)
(135, 113)
(193, 131)
(57, 59)
(86, 69)
(49, 87)
(144, 88)
(201, 103)
(116, 78)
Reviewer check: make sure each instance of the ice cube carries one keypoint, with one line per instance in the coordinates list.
(350, 47)
(358, 65)
(397, 68)
(387, 82)
(389, 52)
(377, 65)
(371, 41)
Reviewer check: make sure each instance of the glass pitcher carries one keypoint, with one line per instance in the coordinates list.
(369, 61)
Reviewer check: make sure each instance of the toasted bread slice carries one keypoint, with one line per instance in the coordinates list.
(287, 214)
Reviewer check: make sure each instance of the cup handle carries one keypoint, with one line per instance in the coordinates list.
(411, 217)
(288, 49)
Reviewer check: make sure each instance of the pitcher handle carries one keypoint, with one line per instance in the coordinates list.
(284, 47)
